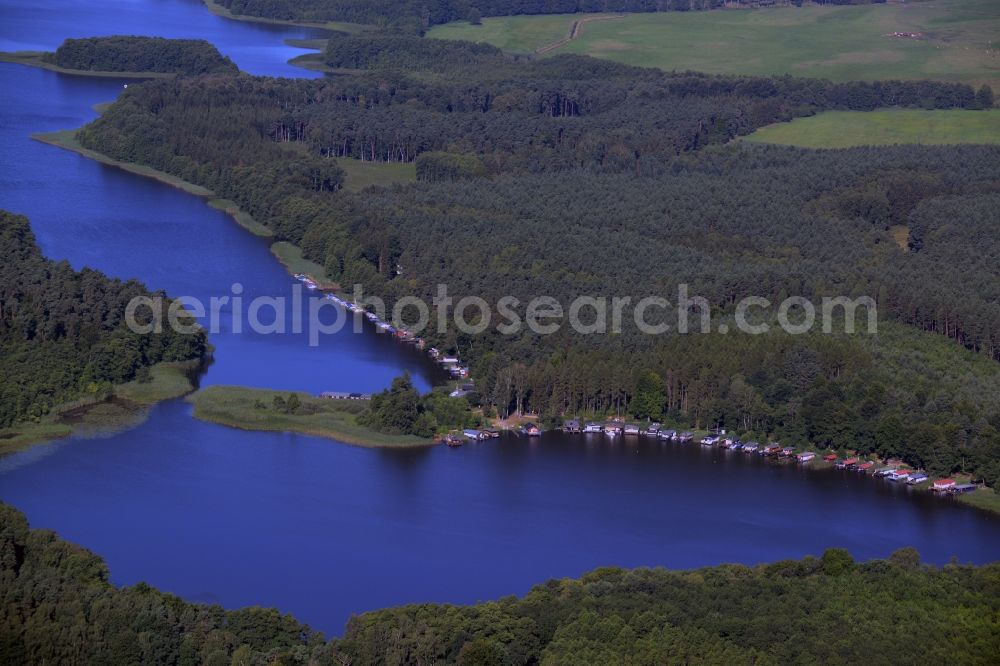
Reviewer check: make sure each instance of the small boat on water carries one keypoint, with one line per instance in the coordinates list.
(685, 437)
(453, 440)
(751, 447)
(473, 435)
(667, 434)
(592, 428)
(491, 434)
(710, 440)
(771, 450)
(883, 472)
(632, 430)
(652, 430)
(805, 457)
(613, 429)
(916, 477)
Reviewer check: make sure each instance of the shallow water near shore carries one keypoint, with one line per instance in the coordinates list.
(324, 530)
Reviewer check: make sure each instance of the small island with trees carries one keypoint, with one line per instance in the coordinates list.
(129, 56)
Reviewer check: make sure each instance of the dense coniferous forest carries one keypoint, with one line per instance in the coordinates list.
(142, 54)
(63, 332)
(417, 15)
(58, 607)
(572, 176)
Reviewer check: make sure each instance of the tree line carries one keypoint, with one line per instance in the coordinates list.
(417, 15)
(63, 332)
(58, 606)
(121, 53)
(401, 410)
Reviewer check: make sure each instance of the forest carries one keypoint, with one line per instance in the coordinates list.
(120, 53)
(417, 15)
(63, 331)
(401, 410)
(58, 606)
(572, 176)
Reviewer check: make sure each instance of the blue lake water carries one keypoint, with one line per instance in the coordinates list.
(324, 530)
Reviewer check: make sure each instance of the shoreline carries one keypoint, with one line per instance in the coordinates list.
(34, 59)
(332, 26)
(253, 409)
(127, 406)
(289, 255)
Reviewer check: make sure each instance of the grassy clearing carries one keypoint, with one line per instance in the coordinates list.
(517, 34)
(34, 59)
(360, 175)
(339, 26)
(90, 417)
(901, 235)
(845, 129)
(252, 409)
(841, 43)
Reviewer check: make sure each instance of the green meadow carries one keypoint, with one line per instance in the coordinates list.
(960, 40)
(255, 409)
(846, 129)
(358, 175)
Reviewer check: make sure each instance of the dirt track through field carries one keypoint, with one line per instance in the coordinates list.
(574, 32)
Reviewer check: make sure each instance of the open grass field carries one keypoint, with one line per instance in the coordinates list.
(846, 129)
(961, 40)
(359, 175)
(252, 409)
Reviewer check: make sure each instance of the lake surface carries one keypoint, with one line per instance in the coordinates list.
(323, 530)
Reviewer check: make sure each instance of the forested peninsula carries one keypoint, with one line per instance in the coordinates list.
(131, 56)
(521, 162)
(883, 611)
(67, 348)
